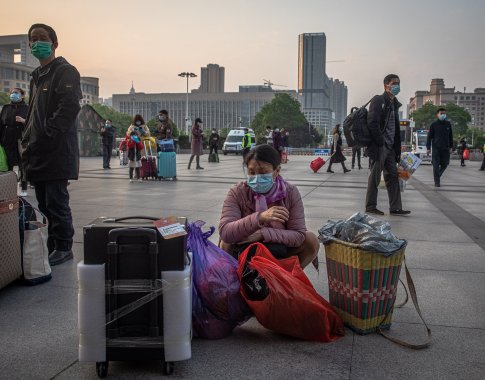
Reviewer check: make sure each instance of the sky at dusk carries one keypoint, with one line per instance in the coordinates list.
(151, 41)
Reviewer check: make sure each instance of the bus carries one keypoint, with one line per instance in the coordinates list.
(419, 145)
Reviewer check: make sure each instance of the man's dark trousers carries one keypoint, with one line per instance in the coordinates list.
(387, 164)
(53, 199)
(440, 159)
(107, 151)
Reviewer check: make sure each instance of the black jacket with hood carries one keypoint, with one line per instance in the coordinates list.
(377, 118)
(50, 139)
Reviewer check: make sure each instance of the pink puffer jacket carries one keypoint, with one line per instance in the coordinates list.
(239, 218)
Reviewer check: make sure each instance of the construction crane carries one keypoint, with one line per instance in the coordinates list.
(268, 83)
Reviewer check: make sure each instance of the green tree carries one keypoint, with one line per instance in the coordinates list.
(284, 112)
(4, 98)
(456, 115)
(475, 135)
(120, 120)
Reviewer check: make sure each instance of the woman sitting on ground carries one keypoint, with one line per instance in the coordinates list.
(266, 209)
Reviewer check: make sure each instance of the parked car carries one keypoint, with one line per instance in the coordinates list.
(233, 143)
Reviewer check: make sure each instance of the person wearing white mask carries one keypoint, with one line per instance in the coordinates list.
(440, 138)
(336, 150)
(384, 150)
(12, 122)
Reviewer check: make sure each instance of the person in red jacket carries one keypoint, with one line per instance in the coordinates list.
(267, 209)
(135, 147)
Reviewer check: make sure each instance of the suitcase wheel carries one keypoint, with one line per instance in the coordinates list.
(102, 369)
(167, 368)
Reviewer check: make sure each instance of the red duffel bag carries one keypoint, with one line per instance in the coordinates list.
(316, 164)
(283, 299)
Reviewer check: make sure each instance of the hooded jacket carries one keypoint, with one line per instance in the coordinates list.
(50, 140)
(377, 118)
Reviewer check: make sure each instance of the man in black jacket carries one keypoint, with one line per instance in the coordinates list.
(385, 147)
(107, 133)
(51, 152)
(440, 137)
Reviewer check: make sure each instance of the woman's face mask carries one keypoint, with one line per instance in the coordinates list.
(138, 123)
(15, 97)
(260, 176)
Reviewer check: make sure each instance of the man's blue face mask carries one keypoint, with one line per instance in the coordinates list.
(261, 183)
(395, 89)
(442, 116)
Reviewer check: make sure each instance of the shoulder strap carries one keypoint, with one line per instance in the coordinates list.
(414, 298)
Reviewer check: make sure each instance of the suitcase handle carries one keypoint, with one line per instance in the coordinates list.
(115, 220)
(133, 231)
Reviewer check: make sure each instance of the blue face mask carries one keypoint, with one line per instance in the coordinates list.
(395, 89)
(442, 117)
(260, 183)
(15, 97)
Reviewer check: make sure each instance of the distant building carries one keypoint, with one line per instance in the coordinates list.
(313, 83)
(438, 94)
(90, 90)
(211, 79)
(217, 110)
(16, 62)
(338, 99)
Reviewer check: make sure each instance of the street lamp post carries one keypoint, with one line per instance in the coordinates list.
(187, 75)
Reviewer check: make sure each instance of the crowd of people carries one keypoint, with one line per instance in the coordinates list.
(41, 139)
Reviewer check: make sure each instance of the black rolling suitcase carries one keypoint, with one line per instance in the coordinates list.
(172, 252)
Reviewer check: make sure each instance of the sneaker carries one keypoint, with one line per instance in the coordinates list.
(58, 257)
(23, 193)
(437, 185)
(400, 212)
(330, 171)
(347, 170)
(374, 211)
(131, 180)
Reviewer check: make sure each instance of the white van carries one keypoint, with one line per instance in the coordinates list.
(233, 143)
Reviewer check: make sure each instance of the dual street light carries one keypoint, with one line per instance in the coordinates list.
(187, 122)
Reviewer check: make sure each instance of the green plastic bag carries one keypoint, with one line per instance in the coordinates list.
(3, 160)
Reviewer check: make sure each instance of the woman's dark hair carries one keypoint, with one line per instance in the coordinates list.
(198, 120)
(264, 153)
(136, 118)
(50, 31)
(22, 92)
(335, 129)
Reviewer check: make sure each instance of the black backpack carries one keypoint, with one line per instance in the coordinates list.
(355, 127)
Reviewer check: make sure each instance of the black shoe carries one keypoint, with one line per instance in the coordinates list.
(199, 168)
(330, 171)
(58, 257)
(399, 212)
(374, 211)
(347, 170)
(360, 167)
(437, 185)
(352, 166)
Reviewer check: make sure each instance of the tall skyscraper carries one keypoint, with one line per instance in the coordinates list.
(211, 79)
(313, 83)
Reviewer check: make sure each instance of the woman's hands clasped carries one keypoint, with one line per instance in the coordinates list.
(274, 214)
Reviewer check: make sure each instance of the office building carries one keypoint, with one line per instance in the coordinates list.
(438, 94)
(217, 110)
(338, 99)
(16, 62)
(90, 90)
(211, 79)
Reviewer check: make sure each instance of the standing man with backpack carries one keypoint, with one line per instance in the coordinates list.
(384, 148)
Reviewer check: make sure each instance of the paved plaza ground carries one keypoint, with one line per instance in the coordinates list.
(445, 254)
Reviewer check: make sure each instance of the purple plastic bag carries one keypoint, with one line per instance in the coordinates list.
(215, 279)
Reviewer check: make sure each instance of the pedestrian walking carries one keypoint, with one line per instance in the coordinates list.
(246, 143)
(50, 141)
(336, 150)
(440, 144)
(196, 144)
(269, 136)
(482, 168)
(107, 133)
(214, 141)
(462, 151)
(384, 150)
(356, 151)
(12, 122)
